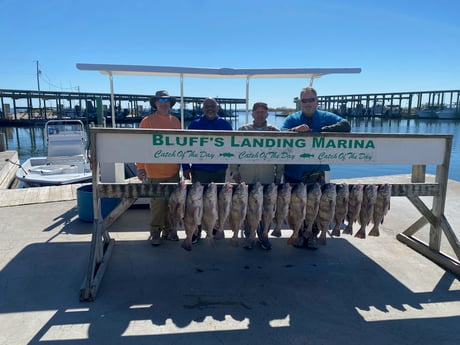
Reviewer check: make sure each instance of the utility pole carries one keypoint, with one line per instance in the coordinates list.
(38, 85)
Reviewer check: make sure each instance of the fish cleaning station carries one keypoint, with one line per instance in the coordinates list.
(233, 147)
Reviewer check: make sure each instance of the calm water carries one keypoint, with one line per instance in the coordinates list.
(30, 142)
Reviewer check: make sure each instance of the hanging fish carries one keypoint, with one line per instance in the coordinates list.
(283, 200)
(268, 209)
(367, 208)
(254, 212)
(381, 208)
(355, 200)
(297, 209)
(313, 199)
(176, 209)
(224, 203)
(326, 210)
(238, 210)
(341, 207)
(210, 209)
(193, 213)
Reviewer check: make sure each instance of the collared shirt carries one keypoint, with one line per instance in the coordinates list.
(317, 123)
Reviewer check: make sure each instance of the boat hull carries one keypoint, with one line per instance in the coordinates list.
(40, 171)
(426, 114)
(448, 114)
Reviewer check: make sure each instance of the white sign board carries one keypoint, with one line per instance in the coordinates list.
(226, 147)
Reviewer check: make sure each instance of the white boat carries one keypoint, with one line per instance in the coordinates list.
(67, 160)
(448, 114)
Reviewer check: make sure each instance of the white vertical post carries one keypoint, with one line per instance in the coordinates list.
(112, 99)
(247, 99)
(182, 100)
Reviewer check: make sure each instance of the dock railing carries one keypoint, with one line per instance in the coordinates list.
(124, 145)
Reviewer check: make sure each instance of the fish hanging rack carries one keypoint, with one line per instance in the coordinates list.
(415, 150)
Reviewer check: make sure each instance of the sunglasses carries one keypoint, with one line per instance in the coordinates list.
(308, 100)
(164, 100)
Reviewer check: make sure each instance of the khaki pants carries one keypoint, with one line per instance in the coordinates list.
(159, 206)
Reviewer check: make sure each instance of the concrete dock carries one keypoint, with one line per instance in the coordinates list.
(351, 291)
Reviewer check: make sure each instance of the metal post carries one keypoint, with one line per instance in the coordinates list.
(112, 100)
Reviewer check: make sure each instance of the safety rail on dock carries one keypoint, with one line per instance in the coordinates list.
(178, 146)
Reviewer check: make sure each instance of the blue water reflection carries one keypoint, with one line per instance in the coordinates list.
(30, 142)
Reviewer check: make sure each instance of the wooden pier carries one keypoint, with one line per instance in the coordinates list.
(395, 104)
(28, 107)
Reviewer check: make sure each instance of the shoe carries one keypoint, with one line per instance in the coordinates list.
(265, 244)
(173, 237)
(246, 231)
(196, 237)
(169, 235)
(311, 243)
(155, 237)
(300, 242)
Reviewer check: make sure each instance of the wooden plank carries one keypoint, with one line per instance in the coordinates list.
(438, 257)
(88, 292)
(137, 190)
(450, 235)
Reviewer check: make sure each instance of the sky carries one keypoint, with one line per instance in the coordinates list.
(400, 46)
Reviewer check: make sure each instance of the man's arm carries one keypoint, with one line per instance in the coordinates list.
(341, 126)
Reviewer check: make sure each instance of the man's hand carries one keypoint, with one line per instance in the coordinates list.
(141, 174)
(301, 128)
(187, 174)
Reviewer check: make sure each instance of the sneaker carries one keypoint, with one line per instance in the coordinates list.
(311, 243)
(265, 244)
(169, 235)
(155, 238)
(300, 242)
(196, 237)
(173, 237)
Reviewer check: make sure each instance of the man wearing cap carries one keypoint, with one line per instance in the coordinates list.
(159, 172)
(265, 173)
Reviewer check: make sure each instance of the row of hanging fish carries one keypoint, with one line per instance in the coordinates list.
(306, 209)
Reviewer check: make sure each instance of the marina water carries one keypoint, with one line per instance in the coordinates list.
(30, 142)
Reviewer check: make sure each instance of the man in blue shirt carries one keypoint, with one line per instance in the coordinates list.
(207, 173)
(311, 119)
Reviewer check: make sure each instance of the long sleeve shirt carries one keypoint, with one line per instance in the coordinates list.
(320, 121)
(204, 124)
(263, 173)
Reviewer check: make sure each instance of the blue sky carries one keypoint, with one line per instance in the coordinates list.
(400, 45)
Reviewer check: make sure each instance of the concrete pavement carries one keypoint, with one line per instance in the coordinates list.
(351, 291)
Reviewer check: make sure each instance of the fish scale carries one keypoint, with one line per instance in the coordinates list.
(193, 213)
(283, 200)
(367, 208)
(341, 207)
(297, 210)
(210, 209)
(355, 200)
(381, 208)
(238, 210)
(176, 208)
(326, 210)
(254, 211)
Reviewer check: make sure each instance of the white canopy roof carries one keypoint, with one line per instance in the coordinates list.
(198, 72)
(195, 72)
